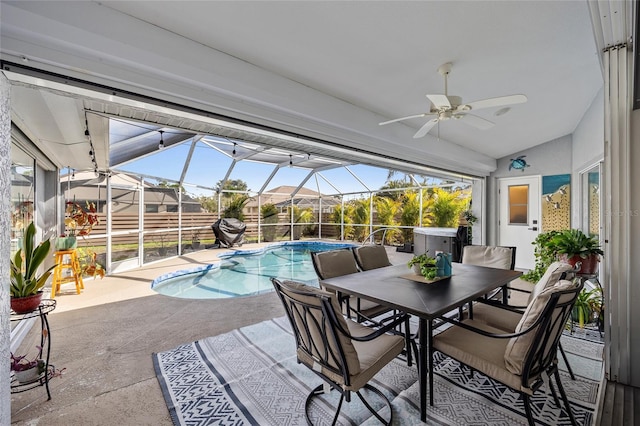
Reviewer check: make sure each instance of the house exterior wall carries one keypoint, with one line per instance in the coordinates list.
(5, 248)
(551, 158)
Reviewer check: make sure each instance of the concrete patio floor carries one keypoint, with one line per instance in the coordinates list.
(102, 341)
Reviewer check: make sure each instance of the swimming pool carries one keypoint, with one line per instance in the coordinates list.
(245, 273)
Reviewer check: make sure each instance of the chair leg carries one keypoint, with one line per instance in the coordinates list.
(553, 392)
(373, 410)
(527, 409)
(319, 391)
(566, 361)
(563, 394)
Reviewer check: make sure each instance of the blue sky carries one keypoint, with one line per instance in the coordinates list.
(208, 166)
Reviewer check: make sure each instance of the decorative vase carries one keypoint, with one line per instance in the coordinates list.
(24, 305)
(588, 266)
(66, 243)
(417, 269)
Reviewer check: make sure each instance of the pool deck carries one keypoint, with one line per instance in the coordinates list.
(102, 341)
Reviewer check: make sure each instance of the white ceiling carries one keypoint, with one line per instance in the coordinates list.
(375, 60)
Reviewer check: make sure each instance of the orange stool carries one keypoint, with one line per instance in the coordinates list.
(62, 264)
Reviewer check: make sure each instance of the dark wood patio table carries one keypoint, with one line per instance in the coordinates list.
(389, 287)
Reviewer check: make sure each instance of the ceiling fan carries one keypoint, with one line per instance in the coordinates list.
(445, 107)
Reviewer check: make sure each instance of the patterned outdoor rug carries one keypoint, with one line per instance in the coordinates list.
(250, 377)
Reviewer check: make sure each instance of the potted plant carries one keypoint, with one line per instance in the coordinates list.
(573, 246)
(424, 265)
(27, 370)
(587, 304)
(26, 283)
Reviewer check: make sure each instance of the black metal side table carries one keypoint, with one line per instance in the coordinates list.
(46, 306)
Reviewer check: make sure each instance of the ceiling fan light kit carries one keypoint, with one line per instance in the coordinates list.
(445, 107)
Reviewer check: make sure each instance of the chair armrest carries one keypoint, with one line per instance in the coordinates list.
(488, 334)
(500, 305)
(396, 320)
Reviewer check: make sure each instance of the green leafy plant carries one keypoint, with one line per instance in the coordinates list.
(25, 280)
(587, 303)
(235, 207)
(574, 242)
(545, 253)
(426, 263)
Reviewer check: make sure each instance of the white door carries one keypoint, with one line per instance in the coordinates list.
(519, 221)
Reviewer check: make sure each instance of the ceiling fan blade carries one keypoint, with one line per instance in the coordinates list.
(439, 101)
(402, 118)
(498, 102)
(425, 129)
(475, 121)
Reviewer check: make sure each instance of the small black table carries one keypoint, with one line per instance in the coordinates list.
(46, 306)
(387, 286)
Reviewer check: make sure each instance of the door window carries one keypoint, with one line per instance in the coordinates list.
(518, 204)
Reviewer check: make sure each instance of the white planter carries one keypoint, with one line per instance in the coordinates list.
(30, 375)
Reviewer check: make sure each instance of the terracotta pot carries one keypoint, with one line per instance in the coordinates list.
(588, 266)
(24, 305)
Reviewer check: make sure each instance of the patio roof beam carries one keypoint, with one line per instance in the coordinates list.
(268, 180)
(226, 176)
(357, 178)
(328, 182)
(194, 142)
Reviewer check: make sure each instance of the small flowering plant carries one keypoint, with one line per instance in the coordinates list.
(22, 363)
(80, 220)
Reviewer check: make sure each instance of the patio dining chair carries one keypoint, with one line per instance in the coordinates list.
(518, 359)
(335, 263)
(372, 256)
(491, 257)
(343, 353)
(506, 317)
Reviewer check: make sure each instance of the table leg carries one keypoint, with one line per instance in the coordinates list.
(422, 367)
(430, 338)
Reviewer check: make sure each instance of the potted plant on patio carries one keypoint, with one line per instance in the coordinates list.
(27, 370)
(573, 246)
(424, 265)
(26, 283)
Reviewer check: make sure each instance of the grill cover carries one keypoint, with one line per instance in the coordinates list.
(228, 231)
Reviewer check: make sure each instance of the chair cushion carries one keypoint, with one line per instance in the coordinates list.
(373, 355)
(334, 263)
(353, 363)
(503, 319)
(371, 257)
(518, 347)
(489, 256)
(482, 353)
(551, 277)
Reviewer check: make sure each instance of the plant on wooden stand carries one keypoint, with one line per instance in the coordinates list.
(79, 223)
(26, 283)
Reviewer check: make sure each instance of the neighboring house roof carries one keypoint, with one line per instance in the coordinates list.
(282, 194)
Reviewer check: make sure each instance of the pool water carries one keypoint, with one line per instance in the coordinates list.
(245, 273)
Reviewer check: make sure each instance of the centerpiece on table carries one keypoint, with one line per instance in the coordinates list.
(431, 268)
(424, 265)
